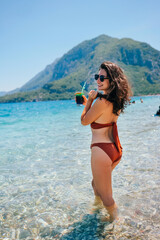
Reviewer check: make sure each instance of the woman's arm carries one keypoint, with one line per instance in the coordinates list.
(91, 113)
(86, 109)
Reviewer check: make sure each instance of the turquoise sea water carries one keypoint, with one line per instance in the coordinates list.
(45, 174)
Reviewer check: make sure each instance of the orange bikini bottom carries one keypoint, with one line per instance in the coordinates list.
(110, 149)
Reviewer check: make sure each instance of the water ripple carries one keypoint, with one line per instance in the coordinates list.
(45, 174)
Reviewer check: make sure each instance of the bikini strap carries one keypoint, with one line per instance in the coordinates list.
(116, 138)
(95, 125)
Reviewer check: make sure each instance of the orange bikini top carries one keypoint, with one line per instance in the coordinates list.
(95, 125)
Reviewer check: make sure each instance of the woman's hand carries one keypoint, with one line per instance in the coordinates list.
(85, 100)
(92, 95)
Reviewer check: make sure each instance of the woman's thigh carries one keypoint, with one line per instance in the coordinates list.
(115, 164)
(101, 169)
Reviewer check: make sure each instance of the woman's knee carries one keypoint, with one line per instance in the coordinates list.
(107, 200)
(92, 183)
(94, 188)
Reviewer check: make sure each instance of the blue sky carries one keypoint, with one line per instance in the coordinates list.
(35, 32)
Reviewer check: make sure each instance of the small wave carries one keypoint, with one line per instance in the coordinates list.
(5, 115)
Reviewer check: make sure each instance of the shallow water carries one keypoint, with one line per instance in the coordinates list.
(45, 175)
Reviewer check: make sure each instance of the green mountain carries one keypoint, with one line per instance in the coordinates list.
(140, 62)
(40, 79)
(2, 93)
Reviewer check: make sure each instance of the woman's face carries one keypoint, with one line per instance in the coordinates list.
(103, 86)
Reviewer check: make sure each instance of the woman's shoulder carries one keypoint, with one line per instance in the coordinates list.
(103, 105)
(104, 102)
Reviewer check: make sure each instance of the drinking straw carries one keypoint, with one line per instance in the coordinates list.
(84, 85)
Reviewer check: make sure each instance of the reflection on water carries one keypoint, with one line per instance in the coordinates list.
(45, 175)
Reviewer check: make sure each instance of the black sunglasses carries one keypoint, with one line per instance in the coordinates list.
(96, 76)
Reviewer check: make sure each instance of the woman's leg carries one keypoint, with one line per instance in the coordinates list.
(115, 164)
(97, 205)
(94, 188)
(102, 169)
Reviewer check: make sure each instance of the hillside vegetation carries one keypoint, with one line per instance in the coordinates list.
(61, 79)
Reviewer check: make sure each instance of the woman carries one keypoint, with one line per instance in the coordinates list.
(106, 150)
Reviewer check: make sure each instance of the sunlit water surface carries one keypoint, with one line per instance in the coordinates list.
(45, 174)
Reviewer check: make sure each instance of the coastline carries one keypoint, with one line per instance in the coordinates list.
(65, 99)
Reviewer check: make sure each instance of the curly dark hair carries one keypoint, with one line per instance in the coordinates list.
(119, 91)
